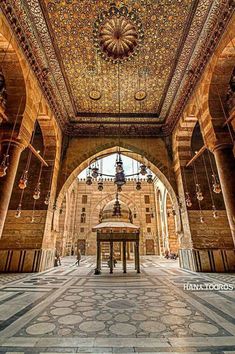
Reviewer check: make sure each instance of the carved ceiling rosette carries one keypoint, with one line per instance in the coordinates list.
(118, 34)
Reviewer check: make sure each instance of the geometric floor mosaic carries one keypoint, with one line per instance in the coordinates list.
(70, 310)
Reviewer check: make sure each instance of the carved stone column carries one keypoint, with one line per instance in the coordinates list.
(111, 257)
(7, 182)
(137, 257)
(225, 163)
(124, 256)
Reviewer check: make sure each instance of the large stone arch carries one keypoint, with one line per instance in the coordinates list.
(132, 151)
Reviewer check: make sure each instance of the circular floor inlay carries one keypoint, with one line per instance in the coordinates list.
(167, 298)
(152, 326)
(72, 297)
(122, 318)
(123, 329)
(92, 326)
(203, 328)
(171, 320)
(61, 311)
(104, 317)
(177, 304)
(40, 328)
(138, 317)
(70, 319)
(63, 303)
(180, 311)
(91, 313)
(120, 304)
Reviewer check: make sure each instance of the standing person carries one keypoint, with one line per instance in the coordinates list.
(79, 256)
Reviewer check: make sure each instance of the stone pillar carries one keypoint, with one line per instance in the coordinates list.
(98, 258)
(225, 163)
(111, 257)
(124, 256)
(137, 257)
(7, 182)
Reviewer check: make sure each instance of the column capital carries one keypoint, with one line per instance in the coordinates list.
(221, 146)
(14, 142)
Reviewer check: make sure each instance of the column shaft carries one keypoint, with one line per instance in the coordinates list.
(225, 163)
(7, 182)
(124, 256)
(111, 257)
(137, 257)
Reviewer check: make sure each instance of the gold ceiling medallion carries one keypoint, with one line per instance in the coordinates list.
(140, 95)
(95, 95)
(118, 34)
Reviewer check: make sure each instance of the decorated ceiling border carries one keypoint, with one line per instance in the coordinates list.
(41, 55)
(39, 52)
(214, 26)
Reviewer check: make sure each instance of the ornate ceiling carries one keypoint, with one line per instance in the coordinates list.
(165, 44)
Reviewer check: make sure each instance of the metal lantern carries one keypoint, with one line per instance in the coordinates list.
(94, 172)
(89, 180)
(37, 192)
(100, 185)
(199, 193)
(18, 212)
(4, 166)
(138, 185)
(149, 178)
(214, 212)
(23, 180)
(215, 185)
(47, 199)
(143, 169)
(188, 200)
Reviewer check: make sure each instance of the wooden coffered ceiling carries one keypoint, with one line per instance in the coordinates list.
(82, 87)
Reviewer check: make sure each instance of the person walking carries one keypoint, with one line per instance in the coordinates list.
(79, 256)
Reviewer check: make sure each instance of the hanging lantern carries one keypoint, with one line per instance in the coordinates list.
(18, 212)
(89, 180)
(215, 185)
(143, 169)
(23, 180)
(119, 164)
(4, 166)
(100, 185)
(202, 219)
(188, 200)
(94, 172)
(37, 192)
(199, 193)
(47, 199)
(134, 213)
(138, 185)
(32, 219)
(214, 212)
(150, 178)
(117, 208)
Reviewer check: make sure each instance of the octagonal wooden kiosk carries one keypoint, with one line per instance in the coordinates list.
(117, 231)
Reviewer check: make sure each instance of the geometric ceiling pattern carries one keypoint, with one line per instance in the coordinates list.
(179, 36)
(72, 27)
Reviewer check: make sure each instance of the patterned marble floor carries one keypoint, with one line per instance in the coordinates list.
(70, 310)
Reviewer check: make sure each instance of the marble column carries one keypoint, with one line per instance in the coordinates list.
(98, 258)
(225, 163)
(124, 256)
(137, 257)
(7, 182)
(111, 257)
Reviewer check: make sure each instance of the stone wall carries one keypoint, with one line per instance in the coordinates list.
(73, 230)
(21, 243)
